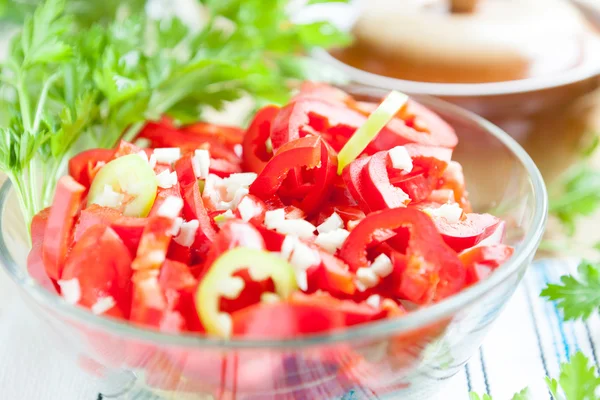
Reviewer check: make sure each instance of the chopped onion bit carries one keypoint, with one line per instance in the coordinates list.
(187, 233)
(166, 179)
(382, 266)
(201, 163)
(332, 241)
(167, 155)
(70, 290)
(450, 211)
(400, 158)
(231, 287)
(333, 222)
(171, 207)
(103, 305)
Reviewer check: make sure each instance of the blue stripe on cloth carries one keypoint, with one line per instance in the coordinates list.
(484, 370)
(468, 374)
(592, 345)
(548, 309)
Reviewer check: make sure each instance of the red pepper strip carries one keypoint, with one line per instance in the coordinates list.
(223, 168)
(429, 270)
(324, 178)
(352, 178)
(415, 123)
(235, 233)
(481, 261)
(154, 243)
(376, 183)
(84, 166)
(102, 265)
(468, 232)
(178, 285)
(35, 263)
(129, 229)
(125, 148)
(149, 304)
(332, 276)
(193, 206)
(454, 179)
(65, 207)
(255, 154)
(273, 239)
(322, 91)
(227, 134)
(305, 152)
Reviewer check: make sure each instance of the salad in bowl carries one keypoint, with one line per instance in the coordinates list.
(336, 226)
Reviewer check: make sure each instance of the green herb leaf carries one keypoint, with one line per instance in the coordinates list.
(522, 395)
(578, 380)
(579, 296)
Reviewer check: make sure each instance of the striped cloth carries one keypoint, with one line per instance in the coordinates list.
(526, 343)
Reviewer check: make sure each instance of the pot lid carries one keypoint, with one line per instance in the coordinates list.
(467, 41)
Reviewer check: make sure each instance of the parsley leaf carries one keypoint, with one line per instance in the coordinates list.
(475, 396)
(578, 380)
(78, 77)
(579, 296)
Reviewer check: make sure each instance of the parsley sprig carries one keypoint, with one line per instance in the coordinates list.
(67, 85)
(578, 380)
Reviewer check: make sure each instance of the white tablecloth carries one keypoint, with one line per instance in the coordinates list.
(527, 342)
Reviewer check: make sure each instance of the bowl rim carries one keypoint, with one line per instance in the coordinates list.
(409, 322)
(589, 69)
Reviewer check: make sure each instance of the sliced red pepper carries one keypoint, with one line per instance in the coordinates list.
(255, 154)
(193, 206)
(65, 207)
(83, 166)
(235, 233)
(305, 152)
(467, 232)
(129, 229)
(352, 177)
(415, 123)
(178, 284)
(231, 135)
(35, 262)
(332, 276)
(149, 304)
(224, 168)
(273, 239)
(163, 193)
(154, 244)
(376, 183)
(323, 91)
(481, 261)
(430, 270)
(102, 265)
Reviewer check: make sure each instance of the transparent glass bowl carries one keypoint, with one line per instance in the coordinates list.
(408, 358)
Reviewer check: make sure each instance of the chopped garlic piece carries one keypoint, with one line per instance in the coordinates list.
(103, 305)
(258, 274)
(240, 180)
(330, 224)
(288, 246)
(273, 217)
(367, 277)
(152, 161)
(225, 324)
(187, 233)
(167, 155)
(269, 298)
(171, 207)
(231, 287)
(374, 300)
(303, 257)
(110, 198)
(382, 266)
(333, 240)
(450, 211)
(174, 231)
(401, 159)
(297, 227)
(166, 179)
(201, 163)
(238, 150)
(70, 290)
(248, 209)
(302, 280)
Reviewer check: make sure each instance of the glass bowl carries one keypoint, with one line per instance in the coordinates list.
(409, 357)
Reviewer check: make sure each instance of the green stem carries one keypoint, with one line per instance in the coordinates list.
(132, 132)
(42, 101)
(24, 105)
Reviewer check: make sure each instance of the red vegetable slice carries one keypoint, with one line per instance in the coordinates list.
(376, 183)
(481, 261)
(235, 233)
(255, 154)
(429, 269)
(178, 284)
(65, 207)
(84, 166)
(35, 262)
(352, 177)
(154, 244)
(468, 232)
(101, 263)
